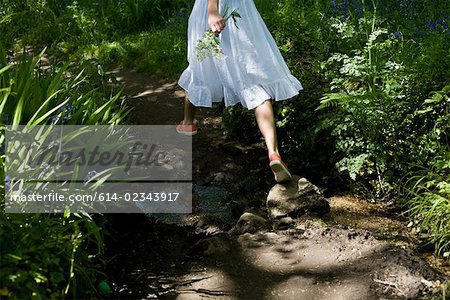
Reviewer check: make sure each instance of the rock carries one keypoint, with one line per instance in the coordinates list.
(220, 177)
(285, 222)
(295, 198)
(250, 223)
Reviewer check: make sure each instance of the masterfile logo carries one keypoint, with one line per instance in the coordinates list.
(98, 169)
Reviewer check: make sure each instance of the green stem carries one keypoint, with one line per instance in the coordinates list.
(72, 260)
(371, 71)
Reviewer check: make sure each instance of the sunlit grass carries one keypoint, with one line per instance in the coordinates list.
(159, 51)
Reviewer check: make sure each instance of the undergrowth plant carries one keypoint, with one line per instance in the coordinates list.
(367, 84)
(51, 256)
(368, 66)
(426, 188)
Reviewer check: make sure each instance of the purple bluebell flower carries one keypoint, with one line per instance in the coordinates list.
(89, 175)
(345, 8)
(32, 164)
(443, 24)
(398, 34)
(66, 107)
(410, 10)
(182, 13)
(55, 119)
(7, 181)
(358, 11)
(430, 24)
(334, 7)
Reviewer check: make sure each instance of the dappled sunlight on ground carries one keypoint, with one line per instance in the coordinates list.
(361, 251)
(350, 211)
(284, 254)
(154, 100)
(299, 287)
(318, 263)
(205, 284)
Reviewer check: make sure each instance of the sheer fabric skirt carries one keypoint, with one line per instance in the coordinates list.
(252, 68)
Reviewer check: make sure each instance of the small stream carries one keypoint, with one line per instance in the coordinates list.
(211, 203)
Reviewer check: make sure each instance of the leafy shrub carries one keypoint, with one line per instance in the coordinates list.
(29, 20)
(31, 95)
(368, 85)
(426, 188)
(51, 256)
(240, 123)
(145, 51)
(375, 90)
(368, 66)
(74, 23)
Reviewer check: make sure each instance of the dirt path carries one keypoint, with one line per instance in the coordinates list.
(361, 251)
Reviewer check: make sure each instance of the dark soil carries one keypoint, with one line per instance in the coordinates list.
(361, 251)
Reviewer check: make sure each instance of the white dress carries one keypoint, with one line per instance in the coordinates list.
(252, 69)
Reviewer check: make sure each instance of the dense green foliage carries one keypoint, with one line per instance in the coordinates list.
(375, 110)
(373, 66)
(77, 23)
(52, 256)
(112, 30)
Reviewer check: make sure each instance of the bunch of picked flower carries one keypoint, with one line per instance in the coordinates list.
(209, 44)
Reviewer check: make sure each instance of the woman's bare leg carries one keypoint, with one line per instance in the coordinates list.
(189, 111)
(266, 123)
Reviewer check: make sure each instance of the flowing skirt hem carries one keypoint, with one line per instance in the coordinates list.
(250, 97)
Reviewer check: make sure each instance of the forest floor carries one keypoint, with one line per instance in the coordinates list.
(359, 251)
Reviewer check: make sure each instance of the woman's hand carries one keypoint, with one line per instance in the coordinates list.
(216, 22)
